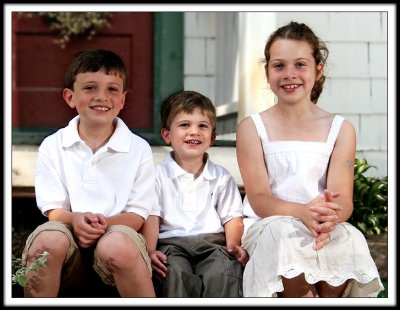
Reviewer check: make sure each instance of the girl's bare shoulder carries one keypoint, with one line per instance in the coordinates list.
(245, 124)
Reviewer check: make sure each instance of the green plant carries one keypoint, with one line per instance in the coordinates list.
(20, 275)
(370, 201)
(69, 24)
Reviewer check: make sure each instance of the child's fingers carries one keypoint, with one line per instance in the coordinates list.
(329, 196)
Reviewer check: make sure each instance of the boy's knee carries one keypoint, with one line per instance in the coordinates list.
(50, 241)
(118, 248)
(55, 243)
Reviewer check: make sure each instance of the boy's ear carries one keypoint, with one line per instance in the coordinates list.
(213, 137)
(67, 95)
(165, 136)
(123, 100)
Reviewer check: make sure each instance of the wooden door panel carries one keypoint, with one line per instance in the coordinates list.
(39, 66)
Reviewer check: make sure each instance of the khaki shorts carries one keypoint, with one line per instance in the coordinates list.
(73, 264)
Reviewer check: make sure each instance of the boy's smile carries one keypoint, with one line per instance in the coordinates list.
(190, 135)
(98, 97)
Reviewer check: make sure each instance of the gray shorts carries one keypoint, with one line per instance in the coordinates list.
(199, 266)
(74, 260)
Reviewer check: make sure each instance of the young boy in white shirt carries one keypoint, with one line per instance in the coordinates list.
(199, 225)
(95, 181)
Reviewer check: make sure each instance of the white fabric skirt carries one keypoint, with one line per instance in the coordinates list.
(282, 246)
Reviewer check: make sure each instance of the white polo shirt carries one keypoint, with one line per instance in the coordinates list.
(119, 177)
(191, 206)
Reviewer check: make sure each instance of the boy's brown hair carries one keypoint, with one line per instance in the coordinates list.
(92, 61)
(186, 101)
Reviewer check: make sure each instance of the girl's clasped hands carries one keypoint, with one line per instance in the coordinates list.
(324, 215)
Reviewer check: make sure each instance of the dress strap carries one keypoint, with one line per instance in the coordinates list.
(262, 132)
(334, 131)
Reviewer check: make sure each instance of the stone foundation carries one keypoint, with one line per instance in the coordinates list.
(378, 245)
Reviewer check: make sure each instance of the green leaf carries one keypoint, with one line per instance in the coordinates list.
(22, 281)
(370, 200)
(20, 275)
(362, 227)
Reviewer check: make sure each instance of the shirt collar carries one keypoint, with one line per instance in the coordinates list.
(120, 140)
(70, 135)
(176, 171)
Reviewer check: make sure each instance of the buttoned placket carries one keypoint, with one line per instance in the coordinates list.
(188, 192)
(89, 172)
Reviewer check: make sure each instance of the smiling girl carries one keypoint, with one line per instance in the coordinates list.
(297, 165)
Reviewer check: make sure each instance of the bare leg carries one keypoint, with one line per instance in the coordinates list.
(124, 260)
(46, 282)
(326, 290)
(298, 287)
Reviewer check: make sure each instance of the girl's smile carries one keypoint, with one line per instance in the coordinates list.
(291, 70)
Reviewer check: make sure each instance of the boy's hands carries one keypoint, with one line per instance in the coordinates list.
(239, 253)
(159, 264)
(88, 228)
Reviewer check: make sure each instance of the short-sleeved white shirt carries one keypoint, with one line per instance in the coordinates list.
(119, 177)
(191, 206)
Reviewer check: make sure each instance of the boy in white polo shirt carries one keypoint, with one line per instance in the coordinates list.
(95, 181)
(199, 225)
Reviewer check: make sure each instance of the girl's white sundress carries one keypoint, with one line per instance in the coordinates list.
(283, 246)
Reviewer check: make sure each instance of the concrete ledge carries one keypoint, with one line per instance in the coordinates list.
(24, 159)
(23, 165)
